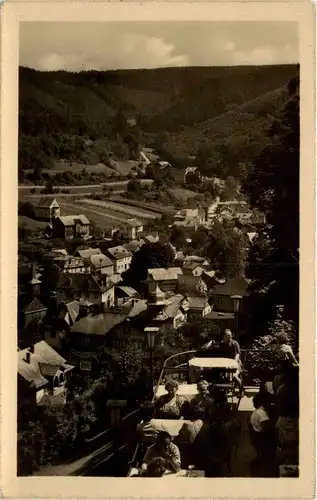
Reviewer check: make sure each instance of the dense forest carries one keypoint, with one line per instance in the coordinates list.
(88, 116)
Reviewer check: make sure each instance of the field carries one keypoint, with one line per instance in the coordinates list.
(124, 210)
(117, 186)
(105, 214)
(31, 224)
(155, 208)
(183, 194)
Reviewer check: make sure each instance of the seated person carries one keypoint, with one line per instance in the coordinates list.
(190, 430)
(165, 449)
(203, 399)
(283, 350)
(146, 430)
(211, 450)
(230, 348)
(287, 425)
(262, 432)
(156, 468)
(169, 405)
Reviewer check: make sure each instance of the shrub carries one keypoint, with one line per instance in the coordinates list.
(262, 361)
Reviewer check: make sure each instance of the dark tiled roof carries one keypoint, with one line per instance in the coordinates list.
(45, 202)
(189, 281)
(33, 306)
(119, 252)
(101, 324)
(78, 281)
(234, 286)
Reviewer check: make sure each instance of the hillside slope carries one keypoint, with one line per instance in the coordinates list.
(246, 123)
(83, 116)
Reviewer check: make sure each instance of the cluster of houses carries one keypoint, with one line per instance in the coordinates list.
(64, 227)
(205, 215)
(94, 310)
(69, 227)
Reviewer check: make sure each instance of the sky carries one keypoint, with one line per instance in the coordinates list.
(49, 46)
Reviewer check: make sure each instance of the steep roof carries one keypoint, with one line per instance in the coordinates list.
(45, 361)
(87, 253)
(101, 324)
(162, 274)
(197, 302)
(45, 202)
(174, 305)
(133, 246)
(128, 290)
(150, 238)
(100, 260)
(189, 281)
(59, 251)
(119, 252)
(33, 306)
(234, 286)
(71, 220)
(78, 281)
(134, 222)
(71, 312)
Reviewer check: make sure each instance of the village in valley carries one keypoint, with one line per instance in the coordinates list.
(131, 258)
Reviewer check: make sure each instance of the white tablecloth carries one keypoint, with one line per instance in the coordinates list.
(173, 427)
(219, 363)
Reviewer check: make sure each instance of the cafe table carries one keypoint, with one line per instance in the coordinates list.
(171, 426)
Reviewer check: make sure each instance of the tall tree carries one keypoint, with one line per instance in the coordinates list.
(273, 186)
(148, 257)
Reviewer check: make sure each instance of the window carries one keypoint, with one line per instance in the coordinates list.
(85, 366)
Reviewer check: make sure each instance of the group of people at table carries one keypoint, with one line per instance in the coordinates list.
(209, 432)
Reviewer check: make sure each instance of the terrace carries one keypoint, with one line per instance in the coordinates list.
(112, 451)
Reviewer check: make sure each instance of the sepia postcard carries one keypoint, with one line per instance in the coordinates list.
(157, 250)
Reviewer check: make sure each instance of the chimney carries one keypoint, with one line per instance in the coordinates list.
(28, 357)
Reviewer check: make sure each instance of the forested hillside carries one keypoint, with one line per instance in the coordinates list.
(83, 116)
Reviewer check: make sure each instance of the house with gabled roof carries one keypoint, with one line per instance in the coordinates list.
(124, 294)
(121, 258)
(70, 227)
(31, 311)
(192, 268)
(166, 310)
(86, 253)
(221, 295)
(110, 330)
(165, 278)
(47, 209)
(42, 375)
(131, 229)
(198, 308)
(101, 264)
(188, 284)
(79, 286)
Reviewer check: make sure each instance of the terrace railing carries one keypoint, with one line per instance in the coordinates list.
(258, 365)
